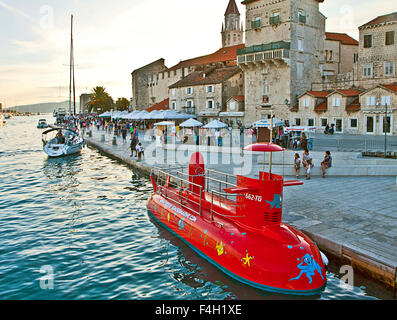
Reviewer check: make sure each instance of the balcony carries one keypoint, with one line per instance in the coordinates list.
(264, 52)
(274, 20)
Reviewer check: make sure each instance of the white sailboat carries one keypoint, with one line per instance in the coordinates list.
(67, 141)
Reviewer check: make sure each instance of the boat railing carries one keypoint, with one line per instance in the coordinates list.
(165, 179)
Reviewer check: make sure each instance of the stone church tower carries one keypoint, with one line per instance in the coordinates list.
(232, 31)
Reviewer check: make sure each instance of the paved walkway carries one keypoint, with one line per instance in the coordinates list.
(343, 214)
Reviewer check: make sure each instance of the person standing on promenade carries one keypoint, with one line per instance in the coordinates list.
(297, 164)
(327, 163)
(134, 142)
(124, 133)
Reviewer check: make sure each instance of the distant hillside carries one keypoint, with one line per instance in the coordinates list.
(48, 107)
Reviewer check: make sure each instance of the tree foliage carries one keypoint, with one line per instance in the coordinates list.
(122, 104)
(100, 100)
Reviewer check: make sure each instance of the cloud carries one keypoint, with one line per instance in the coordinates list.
(16, 11)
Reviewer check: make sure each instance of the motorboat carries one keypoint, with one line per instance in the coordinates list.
(42, 124)
(235, 223)
(66, 142)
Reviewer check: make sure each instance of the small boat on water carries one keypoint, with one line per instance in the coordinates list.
(235, 223)
(66, 142)
(42, 124)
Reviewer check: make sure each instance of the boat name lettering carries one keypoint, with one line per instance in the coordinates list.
(253, 197)
(178, 210)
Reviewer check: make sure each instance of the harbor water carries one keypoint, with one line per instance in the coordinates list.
(83, 220)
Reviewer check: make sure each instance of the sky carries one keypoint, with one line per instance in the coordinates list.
(114, 37)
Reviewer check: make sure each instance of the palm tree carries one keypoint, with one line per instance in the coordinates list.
(100, 99)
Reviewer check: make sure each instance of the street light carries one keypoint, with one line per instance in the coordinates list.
(385, 129)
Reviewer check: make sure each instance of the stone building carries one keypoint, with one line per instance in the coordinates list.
(378, 51)
(232, 29)
(85, 99)
(283, 54)
(150, 84)
(340, 52)
(143, 80)
(206, 92)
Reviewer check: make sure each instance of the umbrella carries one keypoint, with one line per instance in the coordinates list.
(191, 123)
(140, 115)
(165, 123)
(105, 115)
(215, 124)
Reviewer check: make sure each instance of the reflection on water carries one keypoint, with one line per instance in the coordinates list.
(85, 216)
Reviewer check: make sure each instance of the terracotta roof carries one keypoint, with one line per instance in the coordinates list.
(381, 19)
(341, 37)
(347, 92)
(232, 8)
(392, 87)
(316, 94)
(222, 55)
(239, 98)
(163, 105)
(322, 107)
(354, 106)
(295, 108)
(213, 76)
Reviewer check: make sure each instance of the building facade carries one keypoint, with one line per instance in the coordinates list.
(85, 99)
(283, 54)
(205, 93)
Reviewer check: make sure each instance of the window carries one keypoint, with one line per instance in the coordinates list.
(323, 122)
(355, 57)
(275, 19)
(297, 122)
(336, 102)
(331, 55)
(300, 44)
(338, 125)
(265, 86)
(299, 66)
(301, 17)
(385, 100)
(256, 23)
(368, 41)
(310, 122)
(306, 102)
(189, 90)
(173, 92)
(210, 104)
(173, 105)
(370, 101)
(326, 55)
(353, 123)
(367, 70)
(389, 38)
(389, 68)
(210, 89)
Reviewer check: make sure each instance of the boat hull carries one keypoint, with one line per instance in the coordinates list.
(286, 262)
(56, 151)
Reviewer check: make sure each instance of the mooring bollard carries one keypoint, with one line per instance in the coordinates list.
(103, 138)
(114, 141)
(90, 133)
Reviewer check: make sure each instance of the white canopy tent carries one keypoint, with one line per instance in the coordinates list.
(191, 123)
(215, 124)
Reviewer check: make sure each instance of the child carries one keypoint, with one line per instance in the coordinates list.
(297, 164)
(140, 151)
(307, 163)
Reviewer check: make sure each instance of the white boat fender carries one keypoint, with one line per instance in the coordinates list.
(325, 259)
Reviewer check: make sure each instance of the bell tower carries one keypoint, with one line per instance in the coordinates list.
(232, 30)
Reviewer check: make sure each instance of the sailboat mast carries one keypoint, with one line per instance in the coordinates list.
(70, 66)
(74, 85)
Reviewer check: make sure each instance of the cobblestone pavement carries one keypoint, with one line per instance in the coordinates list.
(353, 211)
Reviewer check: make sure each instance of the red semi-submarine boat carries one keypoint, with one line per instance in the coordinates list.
(235, 222)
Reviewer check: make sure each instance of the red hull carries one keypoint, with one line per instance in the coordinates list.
(246, 239)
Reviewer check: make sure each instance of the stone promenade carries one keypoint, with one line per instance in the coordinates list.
(353, 218)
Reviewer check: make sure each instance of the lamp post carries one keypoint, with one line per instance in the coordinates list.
(385, 130)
